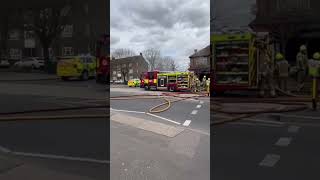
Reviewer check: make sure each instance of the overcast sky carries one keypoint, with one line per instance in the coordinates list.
(176, 27)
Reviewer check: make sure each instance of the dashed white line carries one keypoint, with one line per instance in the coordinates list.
(284, 141)
(163, 118)
(201, 102)
(293, 129)
(198, 106)
(270, 160)
(194, 112)
(187, 123)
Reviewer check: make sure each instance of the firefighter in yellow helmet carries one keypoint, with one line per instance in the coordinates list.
(314, 72)
(282, 71)
(302, 66)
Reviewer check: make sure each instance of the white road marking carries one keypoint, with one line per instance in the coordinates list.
(51, 156)
(194, 112)
(120, 110)
(284, 141)
(270, 160)
(187, 123)
(163, 118)
(201, 102)
(293, 129)
(198, 106)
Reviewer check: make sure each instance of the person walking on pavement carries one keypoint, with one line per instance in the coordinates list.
(302, 66)
(282, 71)
(208, 86)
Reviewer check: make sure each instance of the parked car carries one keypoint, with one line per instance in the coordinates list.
(30, 62)
(134, 83)
(4, 64)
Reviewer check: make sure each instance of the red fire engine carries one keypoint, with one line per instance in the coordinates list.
(103, 60)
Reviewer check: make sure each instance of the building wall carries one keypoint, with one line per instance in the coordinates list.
(137, 65)
(89, 20)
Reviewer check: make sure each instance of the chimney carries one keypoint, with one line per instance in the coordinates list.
(140, 54)
(195, 51)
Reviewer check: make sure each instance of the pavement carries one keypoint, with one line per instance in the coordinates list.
(62, 148)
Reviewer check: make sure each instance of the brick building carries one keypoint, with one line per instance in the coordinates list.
(200, 62)
(86, 22)
(291, 23)
(127, 68)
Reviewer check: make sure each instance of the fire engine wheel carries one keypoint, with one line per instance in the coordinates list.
(64, 78)
(146, 88)
(171, 89)
(84, 76)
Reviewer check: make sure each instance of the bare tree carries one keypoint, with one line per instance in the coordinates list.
(124, 72)
(122, 53)
(48, 24)
(153, 56)
(167, 63)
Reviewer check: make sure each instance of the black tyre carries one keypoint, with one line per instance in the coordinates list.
(84, 76)
(171, 89)
(146, 88)
(64, 78)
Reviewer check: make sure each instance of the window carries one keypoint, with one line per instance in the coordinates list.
(67, 31)
(130, 64)
(86, 8)
(51, 53)
(87, 29)
(288, 5)
(15, 53)
(130, 71)
(114, 72)
(67, 51)
(13, 35)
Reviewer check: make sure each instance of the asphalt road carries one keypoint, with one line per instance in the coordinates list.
(141, 154)
(76, 146)
(255, 149)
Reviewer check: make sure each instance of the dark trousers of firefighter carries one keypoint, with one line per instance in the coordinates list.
(283, 83)
(314, 92)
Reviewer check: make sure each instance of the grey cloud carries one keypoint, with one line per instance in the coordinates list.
(114, 40)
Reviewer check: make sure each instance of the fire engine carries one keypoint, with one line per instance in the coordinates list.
(166, 80)
(235, 62)
(103, 60)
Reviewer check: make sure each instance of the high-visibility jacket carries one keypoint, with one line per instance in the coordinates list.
(282, 68)
(314, 67)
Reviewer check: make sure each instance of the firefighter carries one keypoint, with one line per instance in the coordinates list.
(282, 71)
(204, 84)
(314, 72)
(302, 66)
(208, 86)
(267, 74)
(198, 85)
(193, 84)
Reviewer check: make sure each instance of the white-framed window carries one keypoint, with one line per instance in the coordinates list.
(67, 51)
(28, 34)
(130, 64)
(51, 52)
(130, 71)
(67, 31)
(114, 72)
(124, 65)
(114, 78)
(15, 53)
(14, 35)
(86, 8)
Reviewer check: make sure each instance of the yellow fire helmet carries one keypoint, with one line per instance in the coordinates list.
(316, 56)
(279, 56)
(303, 48)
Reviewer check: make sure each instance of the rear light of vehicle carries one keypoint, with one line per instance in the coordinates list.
(104, 62)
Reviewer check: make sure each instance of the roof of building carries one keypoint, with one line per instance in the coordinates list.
(202, 53)
(131, 58)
